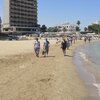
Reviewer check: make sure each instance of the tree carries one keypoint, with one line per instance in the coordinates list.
(53, 29)
(50, 29)
(64, 29)
(43, 28)
(90, 28)
(94, 28)
(85, 29)
(78, 26)
(78, 22)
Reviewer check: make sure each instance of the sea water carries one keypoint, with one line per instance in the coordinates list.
(87, 60)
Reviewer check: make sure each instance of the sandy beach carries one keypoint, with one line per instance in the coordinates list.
(26, 77)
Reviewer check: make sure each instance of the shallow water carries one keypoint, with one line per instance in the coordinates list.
(87, 60)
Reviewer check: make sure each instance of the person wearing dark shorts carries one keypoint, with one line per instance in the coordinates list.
(64, 46)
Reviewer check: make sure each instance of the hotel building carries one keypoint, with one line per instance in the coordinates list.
(0, 23)
(20, 16)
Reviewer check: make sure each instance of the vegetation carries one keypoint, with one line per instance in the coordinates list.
(77, 28)
(53, 29)
(78, 22)
(78, 25)
(94, 28)
(64, 29)
(85, 29)
(43, 28)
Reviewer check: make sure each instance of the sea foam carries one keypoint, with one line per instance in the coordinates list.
(83, 55)
(98, 87)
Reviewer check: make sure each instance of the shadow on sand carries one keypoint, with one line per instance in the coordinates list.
(47, 56)
(68, 56)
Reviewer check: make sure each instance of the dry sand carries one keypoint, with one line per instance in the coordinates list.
(25, 77)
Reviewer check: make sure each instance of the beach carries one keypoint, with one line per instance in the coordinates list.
(23, 76)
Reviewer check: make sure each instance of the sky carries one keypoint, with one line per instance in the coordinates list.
(55, 12)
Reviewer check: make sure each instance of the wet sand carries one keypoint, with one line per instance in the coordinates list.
(26, 77)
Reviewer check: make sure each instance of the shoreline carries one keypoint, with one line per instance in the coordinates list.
(51, 78)
(85, 68)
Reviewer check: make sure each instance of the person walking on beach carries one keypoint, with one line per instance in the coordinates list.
(46, 47)
(68, 43)
(64, 46)
(74, 39)
(89, 39)
(37, 47)
(71, 40)
(85, 39)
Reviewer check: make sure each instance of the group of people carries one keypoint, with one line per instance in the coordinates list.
(45, 50)
(65, 44)
(87, 38)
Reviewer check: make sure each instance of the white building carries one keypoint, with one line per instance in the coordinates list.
(96, 22)
(67, 28)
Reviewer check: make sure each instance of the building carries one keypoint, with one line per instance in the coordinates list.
(20, 16)
(67, 28)
(96, 22)
(0, 23)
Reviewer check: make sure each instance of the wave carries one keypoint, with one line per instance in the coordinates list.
(83, 55)
(82, 59)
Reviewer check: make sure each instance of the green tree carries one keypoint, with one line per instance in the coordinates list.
(90, 28)
(78, 25)
(50, 29)
(43, 28)
(85, 29)
(94, 28)
(53, 29)
(64, 29)
(77, 28)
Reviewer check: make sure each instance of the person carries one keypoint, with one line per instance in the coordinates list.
(57, 41)
(71, 40)
(46, 47)
(64, 46)
(68, 43)
(85, 39)
(37, 47)
(74, 39)
(44, 50)
(89, 39)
